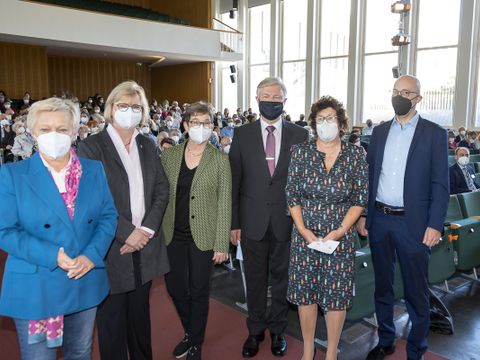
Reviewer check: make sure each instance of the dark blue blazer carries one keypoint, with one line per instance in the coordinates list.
(426, 188)
(458, 184)
(34, 224)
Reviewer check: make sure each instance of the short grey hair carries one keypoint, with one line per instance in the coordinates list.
(417, 82)
(271, 81)
(52, 105)
(129, 88)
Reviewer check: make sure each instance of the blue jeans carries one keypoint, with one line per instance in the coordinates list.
(77, 338)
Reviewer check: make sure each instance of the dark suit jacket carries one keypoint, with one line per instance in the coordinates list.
(153, 257)
(258, 198)
(426, 189)
(458, 183)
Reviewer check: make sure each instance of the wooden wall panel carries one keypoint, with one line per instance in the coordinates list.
(84, 77)
(197, 13)
(23, 68)
(184, 83)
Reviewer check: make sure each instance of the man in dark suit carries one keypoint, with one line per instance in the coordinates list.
(462, 175)
(259, 158)
(408, 200)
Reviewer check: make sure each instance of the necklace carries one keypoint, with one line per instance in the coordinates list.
(194, 154)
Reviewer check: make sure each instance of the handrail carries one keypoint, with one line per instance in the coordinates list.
(233, 30)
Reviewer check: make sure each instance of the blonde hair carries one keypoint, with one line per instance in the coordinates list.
(54, 104)
(128, 88)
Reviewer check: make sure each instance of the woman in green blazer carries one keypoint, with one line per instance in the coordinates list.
(196, 223)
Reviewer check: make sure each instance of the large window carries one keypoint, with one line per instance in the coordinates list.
(259, 38)
(335, 25)
(380, 58)
(294, 51)
(437, 59)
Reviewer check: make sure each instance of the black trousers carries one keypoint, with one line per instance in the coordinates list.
(188, 283)
(263, 258)
(123, 322)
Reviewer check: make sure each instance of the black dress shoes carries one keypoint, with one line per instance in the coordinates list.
(250, 347)
(380, 352)
(279, 344)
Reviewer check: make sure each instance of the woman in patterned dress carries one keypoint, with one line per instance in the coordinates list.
(326, 192)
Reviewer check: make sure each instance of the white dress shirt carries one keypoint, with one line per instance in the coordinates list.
(58, 176)
(277, 133)
(131, 163)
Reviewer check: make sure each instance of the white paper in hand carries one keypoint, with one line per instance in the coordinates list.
(239, 255)
(327, 247)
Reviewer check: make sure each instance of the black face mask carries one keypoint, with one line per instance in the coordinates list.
(270, 110)
(401, 105)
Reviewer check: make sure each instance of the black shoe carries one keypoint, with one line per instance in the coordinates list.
(195, 353)
(379, 352)
(250, 348)
(279, 344)
(182, 348)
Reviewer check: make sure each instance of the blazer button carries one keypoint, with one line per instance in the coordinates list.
(193, 197)
(46, 226)
(90, 221)
(193, 216)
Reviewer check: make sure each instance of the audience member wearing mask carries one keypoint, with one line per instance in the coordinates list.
(225, 144)
(7, 140)
(3, 98)
(324, 212)
(462, 175)
(461, 134)
(259, 215)
(368, 129)
(24, 143)
(9, 111)
(452, 145)
(145, 131)
(196, 224)
(138, 254)
(161, 135)
(55, 273)
(469, 140)
(174, 134)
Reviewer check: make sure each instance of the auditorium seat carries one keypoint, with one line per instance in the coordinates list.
(465, 230)
(442, 261)
(451, 160)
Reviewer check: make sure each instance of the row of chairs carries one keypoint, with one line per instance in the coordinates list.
(116, 9)
(459, 251)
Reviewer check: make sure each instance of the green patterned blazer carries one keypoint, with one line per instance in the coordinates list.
(210, 198)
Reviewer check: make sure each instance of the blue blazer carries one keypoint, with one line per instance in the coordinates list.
(426, 188)
(458, 184)
(34, 224)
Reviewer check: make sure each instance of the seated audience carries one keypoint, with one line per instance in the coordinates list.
(302, 121)
(461, 134)
(166, 143)
(368, 130)
(452, 145)
(469, 140)
(24, 143)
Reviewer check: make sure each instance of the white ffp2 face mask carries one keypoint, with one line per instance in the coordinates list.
(464, 160)
(127, 119)
(54, 144)
(200, 134)
(327, 131)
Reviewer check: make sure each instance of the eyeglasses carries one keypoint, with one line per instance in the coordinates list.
(196, 124)
(404, 93)
(124, 107)
(329, 119)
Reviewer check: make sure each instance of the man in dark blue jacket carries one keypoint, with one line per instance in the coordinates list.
(408, 200)
(462, 175)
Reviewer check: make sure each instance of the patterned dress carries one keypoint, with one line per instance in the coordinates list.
(324, 197)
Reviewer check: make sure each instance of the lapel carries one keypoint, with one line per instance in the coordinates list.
(282, 157)
(141, 155)
(108, 143)
(381, 134)
(258, 148)
(175, 164)
(416, 137)
(204, 161)
(85, 187)
(42, 184)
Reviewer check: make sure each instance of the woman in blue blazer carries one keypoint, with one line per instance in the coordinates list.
(56, 235)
